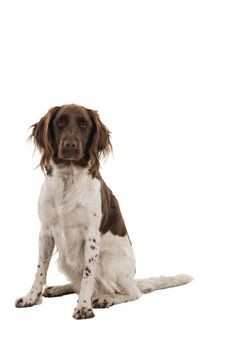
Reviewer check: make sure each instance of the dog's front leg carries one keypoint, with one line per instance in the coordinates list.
(91, 254)
(34, 296)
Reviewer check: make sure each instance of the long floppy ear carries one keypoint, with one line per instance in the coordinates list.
(100, 144)
(41, 135)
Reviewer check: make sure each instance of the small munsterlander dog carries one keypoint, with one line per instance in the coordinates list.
(81, 217)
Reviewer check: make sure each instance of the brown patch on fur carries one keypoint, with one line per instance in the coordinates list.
(42, 139)
(112, 219)
(97, 145)
(100, 144)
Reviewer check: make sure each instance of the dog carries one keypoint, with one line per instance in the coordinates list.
(81, 217)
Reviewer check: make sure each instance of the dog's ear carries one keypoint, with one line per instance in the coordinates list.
(100, 144)
(42, 137)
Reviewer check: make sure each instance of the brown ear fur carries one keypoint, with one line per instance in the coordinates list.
(100, 142)
(42, 138)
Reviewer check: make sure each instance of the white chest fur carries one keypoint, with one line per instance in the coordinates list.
(69, 207)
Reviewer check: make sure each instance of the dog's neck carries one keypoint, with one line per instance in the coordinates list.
(70, 170)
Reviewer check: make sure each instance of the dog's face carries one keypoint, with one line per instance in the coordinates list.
(71, 134)
(72, 128)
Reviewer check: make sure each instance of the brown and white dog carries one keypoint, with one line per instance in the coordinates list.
(81, 217)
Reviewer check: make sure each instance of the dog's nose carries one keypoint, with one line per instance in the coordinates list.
(70, 144)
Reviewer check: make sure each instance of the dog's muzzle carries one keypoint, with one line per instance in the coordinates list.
(70, 148)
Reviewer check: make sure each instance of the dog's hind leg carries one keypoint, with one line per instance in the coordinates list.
(130, 293)
(58, 291)
(107, 300)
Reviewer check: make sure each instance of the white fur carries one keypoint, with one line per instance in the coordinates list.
(101, 268)
(70, 214)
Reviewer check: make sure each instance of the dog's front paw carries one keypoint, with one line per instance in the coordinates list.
(29, 300)
(82, 313)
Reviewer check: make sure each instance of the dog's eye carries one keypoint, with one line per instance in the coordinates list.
(83, 124)
(61, 123)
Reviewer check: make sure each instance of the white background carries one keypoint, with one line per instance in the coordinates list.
(160, 74)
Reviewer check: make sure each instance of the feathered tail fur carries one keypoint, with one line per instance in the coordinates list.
(148, 285)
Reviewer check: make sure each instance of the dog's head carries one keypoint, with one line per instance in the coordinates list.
(71, 134)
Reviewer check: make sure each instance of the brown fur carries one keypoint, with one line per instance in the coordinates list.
(112, 219)
(100, 144)
(96, 144)
(42, 139)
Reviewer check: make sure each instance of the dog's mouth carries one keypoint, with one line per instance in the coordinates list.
(70, 149)
(69, 155)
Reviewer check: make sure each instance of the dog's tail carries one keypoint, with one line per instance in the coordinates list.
(148, 285)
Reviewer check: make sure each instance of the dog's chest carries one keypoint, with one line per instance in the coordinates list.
(69, 207)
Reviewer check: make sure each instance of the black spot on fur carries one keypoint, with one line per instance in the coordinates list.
(41, 274)
(38, 266)
(92, 247)
(87, 269)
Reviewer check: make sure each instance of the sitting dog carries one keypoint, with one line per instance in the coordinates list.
(81, 217)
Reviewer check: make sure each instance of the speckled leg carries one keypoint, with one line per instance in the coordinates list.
(91, 253)
(34, 296)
